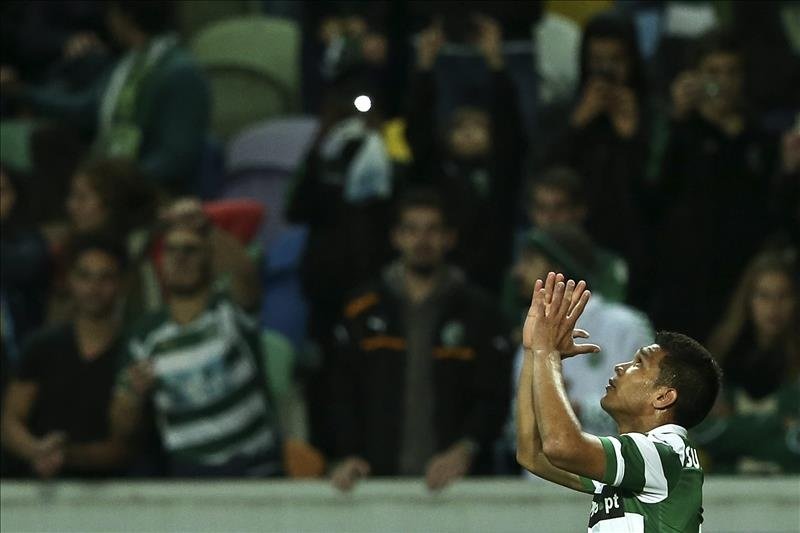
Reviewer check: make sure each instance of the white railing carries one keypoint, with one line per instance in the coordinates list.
(731, 505)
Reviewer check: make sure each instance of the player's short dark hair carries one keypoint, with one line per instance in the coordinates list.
(97, 243)
(422, 197)
(562, 178)
(693, 372)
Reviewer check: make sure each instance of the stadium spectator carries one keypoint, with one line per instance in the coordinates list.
(198, 362)
(422, 380)
(40, 39)
(109, 197)
(617, 328)
(153, 107)
(475, 160)
(755, 428)
(343, 193)
(607, 137)
(556, 197)
(713, 190)
(24, 267)
(55, 419)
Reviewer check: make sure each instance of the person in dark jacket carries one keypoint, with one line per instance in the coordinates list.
(476, 159)
(607, 136)
(343, 193)
(713, 190)
(423, 364)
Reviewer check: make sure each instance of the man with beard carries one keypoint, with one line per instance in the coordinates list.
(198, 361)
(422, 372)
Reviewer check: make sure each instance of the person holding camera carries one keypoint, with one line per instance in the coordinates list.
(474, 159)
(606, 137)
(712, 194)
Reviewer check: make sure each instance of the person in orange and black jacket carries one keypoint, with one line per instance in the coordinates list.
(421, 381)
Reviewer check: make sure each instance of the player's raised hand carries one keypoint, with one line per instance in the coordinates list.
(555, 308)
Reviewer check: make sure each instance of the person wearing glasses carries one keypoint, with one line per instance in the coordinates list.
(197, 363)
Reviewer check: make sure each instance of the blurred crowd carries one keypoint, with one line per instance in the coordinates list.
(267, 238)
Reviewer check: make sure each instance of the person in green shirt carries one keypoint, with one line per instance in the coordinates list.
(648, 479)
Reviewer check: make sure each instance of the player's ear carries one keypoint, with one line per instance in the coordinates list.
(665, 397)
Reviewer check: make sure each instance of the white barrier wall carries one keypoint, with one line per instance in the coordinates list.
(731, 505)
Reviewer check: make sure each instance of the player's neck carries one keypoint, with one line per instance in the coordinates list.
(643, 424)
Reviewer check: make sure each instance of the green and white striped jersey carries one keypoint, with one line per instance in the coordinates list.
(210, 396)
(653, 484)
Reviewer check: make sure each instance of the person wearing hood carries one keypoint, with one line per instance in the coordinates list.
(714, 189)
(421, 382)
(607, 136)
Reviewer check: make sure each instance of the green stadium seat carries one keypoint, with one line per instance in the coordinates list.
(253, 67)
(194, 15)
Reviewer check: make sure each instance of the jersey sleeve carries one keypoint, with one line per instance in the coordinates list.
(636, 463)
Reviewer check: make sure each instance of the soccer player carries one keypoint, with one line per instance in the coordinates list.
(649, 478)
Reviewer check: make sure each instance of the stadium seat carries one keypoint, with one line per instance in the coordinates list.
(194, 15)
(253, 68)
(261, 163)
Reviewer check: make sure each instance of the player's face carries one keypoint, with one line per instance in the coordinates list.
(187, 266)
(772, 303)
(95, 283)
(422, 238)
(630, 391)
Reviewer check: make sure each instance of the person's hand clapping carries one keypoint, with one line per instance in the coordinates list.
(348, 472)
(550, 324)
(48, 458)
(448, 466)
(141, 378)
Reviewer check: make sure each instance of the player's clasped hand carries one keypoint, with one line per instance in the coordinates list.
(555, 308)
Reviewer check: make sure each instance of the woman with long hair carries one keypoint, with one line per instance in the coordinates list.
(756, 426)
